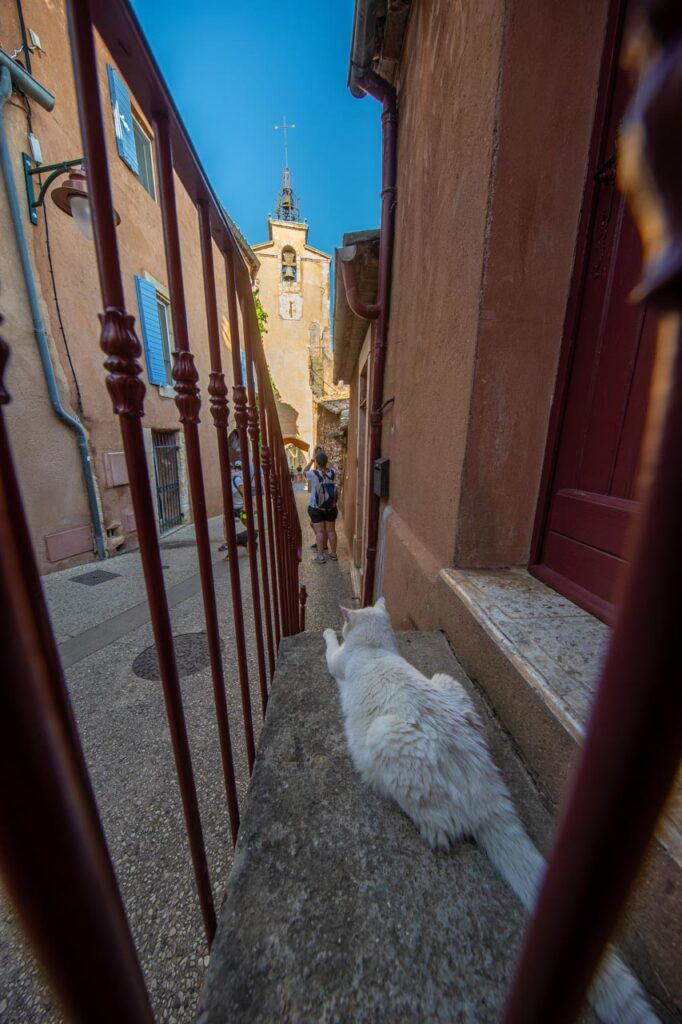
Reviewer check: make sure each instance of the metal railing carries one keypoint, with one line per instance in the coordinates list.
(53, 852)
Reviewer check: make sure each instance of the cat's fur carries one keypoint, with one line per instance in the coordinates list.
(420, 742)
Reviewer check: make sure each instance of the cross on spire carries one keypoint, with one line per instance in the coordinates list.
(287, 205)
(285, 127)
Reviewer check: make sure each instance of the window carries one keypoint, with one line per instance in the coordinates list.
(132, 142)
(157, 330)
(145, 162)
(289, 271)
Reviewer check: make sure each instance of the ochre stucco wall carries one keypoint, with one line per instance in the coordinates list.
(45, 450)
(550, 69)
(447, 89)
(287, 340)
(495, 115)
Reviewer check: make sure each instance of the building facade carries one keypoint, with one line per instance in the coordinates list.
(294, 286)
(61, 262)
(517, 374)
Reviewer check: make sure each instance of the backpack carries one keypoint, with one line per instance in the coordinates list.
(325, 491)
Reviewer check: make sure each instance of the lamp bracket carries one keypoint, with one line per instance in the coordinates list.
(53, 171)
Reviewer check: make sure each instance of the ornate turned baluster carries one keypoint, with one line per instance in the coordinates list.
(186, 378)
(122, 348)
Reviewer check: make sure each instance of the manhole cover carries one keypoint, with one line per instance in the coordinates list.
(191, 653)
(91, 579)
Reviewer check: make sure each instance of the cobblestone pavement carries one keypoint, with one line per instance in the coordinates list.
(104, 632)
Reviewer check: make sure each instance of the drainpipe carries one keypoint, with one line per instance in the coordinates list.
(38, 323)
(382, 91)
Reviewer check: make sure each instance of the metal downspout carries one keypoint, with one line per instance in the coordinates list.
(38, 323)
(382, 91)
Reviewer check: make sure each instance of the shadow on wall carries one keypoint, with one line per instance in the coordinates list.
(288, 419)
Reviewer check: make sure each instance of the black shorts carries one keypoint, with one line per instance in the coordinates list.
(318, 515)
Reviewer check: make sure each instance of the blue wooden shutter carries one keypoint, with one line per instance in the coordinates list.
(242, 358)
(151, 332)
(123, 119)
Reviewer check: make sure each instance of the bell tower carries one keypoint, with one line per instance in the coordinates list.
(293, 285)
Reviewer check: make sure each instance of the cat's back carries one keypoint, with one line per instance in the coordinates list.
(389, 684)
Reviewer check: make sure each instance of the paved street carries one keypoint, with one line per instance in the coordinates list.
(104, 632)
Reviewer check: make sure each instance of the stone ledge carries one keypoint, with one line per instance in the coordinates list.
(536, 657)
(335, 909)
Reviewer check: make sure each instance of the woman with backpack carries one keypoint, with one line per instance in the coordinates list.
(322, 508)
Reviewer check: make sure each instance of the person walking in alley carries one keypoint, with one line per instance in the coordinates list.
(237, 481)
(322, 508)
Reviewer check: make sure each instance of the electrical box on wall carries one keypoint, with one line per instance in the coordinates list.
(381, 468)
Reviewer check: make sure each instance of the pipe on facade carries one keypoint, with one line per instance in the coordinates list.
(384, 92)
(38, 324)
(26, 83)
(364, 310)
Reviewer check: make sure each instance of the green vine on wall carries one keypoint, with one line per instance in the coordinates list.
(260, 313)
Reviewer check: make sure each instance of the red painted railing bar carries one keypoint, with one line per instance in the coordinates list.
(95, 150)
(276, 501)
(293, 581)
(302, 599)
(217, 389)
(241, 419)
(54, 859)
(254, 434)
(123, 351)
(266, 462)
(634, 740)
(188, 402)
(274, 572)
(286, 565)
(264, 386)
(219, 410)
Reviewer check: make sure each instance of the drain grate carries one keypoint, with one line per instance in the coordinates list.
(91, 579)
(191, 653)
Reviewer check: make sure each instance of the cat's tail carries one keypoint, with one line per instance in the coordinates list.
(616, 995)
(504, 841)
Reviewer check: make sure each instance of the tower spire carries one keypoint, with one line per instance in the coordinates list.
(287, 203)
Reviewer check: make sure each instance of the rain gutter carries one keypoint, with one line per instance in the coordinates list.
(362, 80)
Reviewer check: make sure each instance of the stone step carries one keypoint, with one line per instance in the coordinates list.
(335, 908)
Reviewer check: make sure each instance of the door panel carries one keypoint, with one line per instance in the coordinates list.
(592, 491)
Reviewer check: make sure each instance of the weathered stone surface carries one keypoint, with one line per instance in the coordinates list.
(335, 909)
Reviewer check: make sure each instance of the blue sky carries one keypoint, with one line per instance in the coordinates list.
(235, 68)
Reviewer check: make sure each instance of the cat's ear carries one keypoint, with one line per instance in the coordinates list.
(346, 612)
(381, 603)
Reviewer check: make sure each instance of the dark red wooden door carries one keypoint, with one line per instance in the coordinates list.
(593, 487)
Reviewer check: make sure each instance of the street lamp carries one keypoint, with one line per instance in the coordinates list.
(71, 197)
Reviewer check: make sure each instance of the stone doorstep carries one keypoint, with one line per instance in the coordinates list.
(335, 909)
(536, 657)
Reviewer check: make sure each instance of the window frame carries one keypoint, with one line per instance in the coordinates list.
(140, 130)
(166, 325)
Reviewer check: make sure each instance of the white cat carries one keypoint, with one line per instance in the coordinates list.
(420, 742)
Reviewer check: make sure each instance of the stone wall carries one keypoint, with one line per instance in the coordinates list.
(329, 427)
